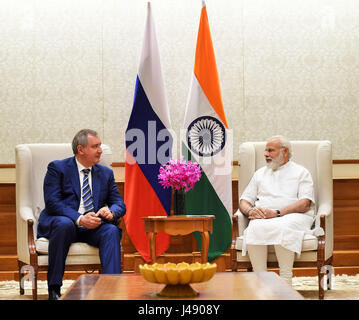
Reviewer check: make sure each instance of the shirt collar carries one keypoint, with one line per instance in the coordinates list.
(283, 166)
(280, 168)
(80, 167)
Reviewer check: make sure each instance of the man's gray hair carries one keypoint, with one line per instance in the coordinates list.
(80, 139)
(284, 143)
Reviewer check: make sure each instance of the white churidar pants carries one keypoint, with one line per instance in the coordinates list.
(285, 257)
(285, 233)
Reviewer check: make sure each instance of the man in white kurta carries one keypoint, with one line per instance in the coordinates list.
(279, 202)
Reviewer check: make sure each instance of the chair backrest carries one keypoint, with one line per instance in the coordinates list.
(316, 156)
(31, 166)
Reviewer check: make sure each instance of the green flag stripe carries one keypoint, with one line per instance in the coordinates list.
(203, 199)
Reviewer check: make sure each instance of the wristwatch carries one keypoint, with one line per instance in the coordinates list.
(278, 213)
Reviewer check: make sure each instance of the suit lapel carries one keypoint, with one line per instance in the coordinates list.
(75, 179)
(95, 186)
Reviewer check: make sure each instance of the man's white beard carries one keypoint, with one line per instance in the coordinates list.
(276, 162)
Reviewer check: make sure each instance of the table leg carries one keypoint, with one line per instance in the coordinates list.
(205, 245)
(152, 241)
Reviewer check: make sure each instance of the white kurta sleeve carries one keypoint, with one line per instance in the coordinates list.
(306, 189)
(251, 191)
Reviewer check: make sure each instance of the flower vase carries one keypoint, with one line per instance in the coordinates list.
(179, 203)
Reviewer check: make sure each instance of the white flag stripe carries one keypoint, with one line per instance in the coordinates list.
(197, 104)
(150, 72)
(217, 168)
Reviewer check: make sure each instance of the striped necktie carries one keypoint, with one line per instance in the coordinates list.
(86, 192)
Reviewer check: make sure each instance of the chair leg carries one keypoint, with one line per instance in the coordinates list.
(329, 276)
(21, 275)
(321, 281)
(34, 290)
(122, 259)
(32, 275)
(234, 267)
(34, 284)
(233, 255)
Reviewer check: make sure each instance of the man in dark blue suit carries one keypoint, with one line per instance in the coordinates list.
(82, 204)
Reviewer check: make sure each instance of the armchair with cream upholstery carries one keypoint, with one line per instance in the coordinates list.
(317, 251)
(31, 167)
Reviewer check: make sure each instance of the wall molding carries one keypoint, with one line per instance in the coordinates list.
(346, 161)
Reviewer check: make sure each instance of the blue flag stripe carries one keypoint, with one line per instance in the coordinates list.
(144, 118)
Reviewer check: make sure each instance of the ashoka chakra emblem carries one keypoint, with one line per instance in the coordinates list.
(206, 136)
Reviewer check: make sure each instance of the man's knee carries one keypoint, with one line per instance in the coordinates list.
(112, 231)
(62, 235)
(110, 235)
(63, 225)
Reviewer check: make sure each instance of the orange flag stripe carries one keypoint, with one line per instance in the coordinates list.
(205, 68)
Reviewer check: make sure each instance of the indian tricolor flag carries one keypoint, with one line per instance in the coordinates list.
(207, 140)
(148, 146)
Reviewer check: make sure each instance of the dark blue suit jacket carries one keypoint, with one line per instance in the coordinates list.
(62, 193)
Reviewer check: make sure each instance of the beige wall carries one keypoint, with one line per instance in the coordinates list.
(285, 66)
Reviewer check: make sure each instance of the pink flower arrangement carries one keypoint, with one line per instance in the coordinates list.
(179, 174)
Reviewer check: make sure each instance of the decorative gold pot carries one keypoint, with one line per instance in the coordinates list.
(178, 277)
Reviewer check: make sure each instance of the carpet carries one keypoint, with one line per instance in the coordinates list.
(344, 287)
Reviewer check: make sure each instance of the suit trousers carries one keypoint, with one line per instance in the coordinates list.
(64, 232)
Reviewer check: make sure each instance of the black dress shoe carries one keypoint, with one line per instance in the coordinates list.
(54, 294)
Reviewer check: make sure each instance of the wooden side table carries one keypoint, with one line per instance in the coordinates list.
(179, 225)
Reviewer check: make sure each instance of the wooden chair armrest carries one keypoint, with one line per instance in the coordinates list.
(234, 227)
(322, 222)
(31, 242)
(30, 237)
(321, 240)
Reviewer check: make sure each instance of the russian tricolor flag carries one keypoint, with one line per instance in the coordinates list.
(148, 146)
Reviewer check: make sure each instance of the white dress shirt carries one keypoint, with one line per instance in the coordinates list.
(80, 167)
